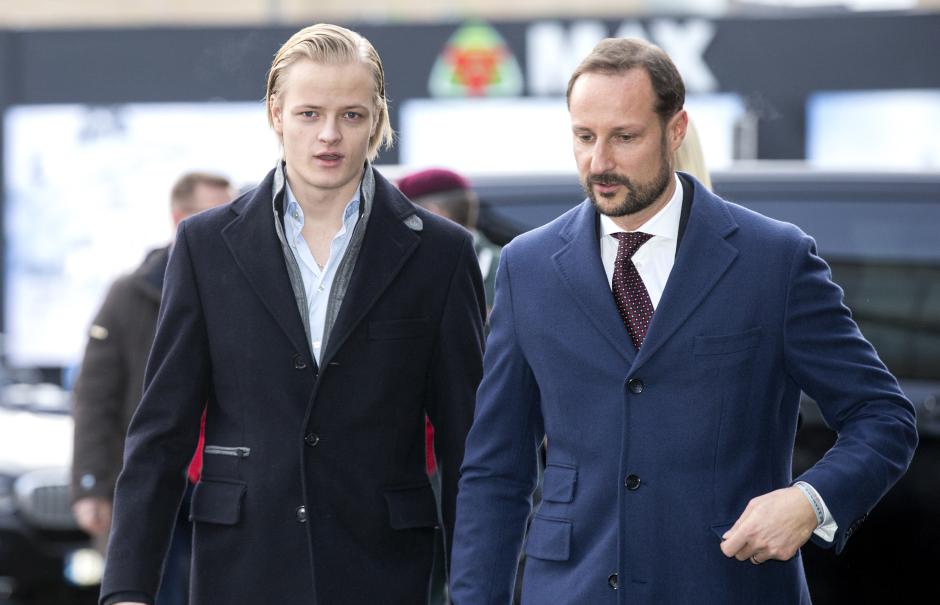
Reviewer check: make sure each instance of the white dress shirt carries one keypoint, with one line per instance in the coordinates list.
(654, 261)
(317, 281)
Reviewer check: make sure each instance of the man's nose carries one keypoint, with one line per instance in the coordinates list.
(601, 158)
(330, 132)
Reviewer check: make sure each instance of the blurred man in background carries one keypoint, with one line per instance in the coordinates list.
(110, 383)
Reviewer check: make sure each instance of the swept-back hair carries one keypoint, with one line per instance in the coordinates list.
(333, 45)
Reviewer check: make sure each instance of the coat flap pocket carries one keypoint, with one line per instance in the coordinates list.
(410, 507)
(726, 343)
(217, 502)
(721, 528)
(549, 539)
(398, 328)
(558, 483)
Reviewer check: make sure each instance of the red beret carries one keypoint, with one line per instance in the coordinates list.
(431, 180)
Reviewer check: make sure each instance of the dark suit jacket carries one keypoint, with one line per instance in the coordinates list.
(313, 488)
(653, 454)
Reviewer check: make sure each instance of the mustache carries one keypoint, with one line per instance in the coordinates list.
(608, 178)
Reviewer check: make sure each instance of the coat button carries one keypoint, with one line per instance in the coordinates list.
(632, 482)
(299, 363)
(635, 385)
(612, 581)
(301, 514)
(312, 439)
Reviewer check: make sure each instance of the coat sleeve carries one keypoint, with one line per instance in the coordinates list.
(500, 470)
(162, 435)
(98, 401)
(456, 367)
(827, 356)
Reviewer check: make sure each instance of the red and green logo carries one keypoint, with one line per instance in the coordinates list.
(476, 62)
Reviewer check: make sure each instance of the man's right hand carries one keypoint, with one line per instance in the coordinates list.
(93, 515)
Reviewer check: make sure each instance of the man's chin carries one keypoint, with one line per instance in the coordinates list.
(613, 206)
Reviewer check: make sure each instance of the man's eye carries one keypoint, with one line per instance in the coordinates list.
(625, 138)
(585, 138)
(352, 115)
(308, 114)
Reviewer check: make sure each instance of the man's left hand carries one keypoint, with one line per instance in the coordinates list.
(773, 526)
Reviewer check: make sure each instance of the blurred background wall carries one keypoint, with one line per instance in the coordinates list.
(65, 13)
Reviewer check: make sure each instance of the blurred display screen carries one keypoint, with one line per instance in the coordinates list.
(889, 129)
(87, 193)
(532, 134)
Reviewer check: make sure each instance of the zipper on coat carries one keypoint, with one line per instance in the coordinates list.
(238, 452)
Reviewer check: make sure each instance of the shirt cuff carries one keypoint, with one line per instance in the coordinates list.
(826, 526)
(132, 597)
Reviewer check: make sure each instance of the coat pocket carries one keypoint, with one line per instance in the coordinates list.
(395, 329)
(217, 502)
(727, 343)
(559, 483)
(549, 539)
(719, 529)
(411, 507)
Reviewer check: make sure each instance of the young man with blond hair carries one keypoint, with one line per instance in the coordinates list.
(321, 316)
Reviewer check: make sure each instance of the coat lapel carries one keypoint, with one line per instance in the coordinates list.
(253, 243)
(579, 265)
(704, 256)
(387, 245)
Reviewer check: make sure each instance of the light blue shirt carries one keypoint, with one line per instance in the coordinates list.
(317, 282)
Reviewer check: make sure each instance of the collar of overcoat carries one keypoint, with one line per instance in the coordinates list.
(391, 237)
(703, 256)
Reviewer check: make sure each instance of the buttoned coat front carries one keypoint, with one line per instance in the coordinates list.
(653, 454)
(314, 488)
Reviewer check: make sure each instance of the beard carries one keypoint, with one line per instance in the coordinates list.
(639, 196)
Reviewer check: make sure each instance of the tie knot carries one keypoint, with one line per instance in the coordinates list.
(631, 242)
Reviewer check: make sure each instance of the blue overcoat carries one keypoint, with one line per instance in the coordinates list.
(653, 454)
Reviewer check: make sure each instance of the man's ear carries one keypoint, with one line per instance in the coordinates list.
(177, 216)
(375, 125)
(277, 115)
(678, 126)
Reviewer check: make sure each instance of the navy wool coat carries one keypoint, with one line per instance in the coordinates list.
(314, 488)
(653, 454)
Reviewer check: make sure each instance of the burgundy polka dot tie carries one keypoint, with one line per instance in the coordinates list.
(630, 293)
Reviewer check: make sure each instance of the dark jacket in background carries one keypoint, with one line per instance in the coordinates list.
(111, 378)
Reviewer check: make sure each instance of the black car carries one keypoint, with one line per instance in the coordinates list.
(44, 558)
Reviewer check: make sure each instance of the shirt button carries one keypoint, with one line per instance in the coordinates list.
(635, 385)
(612, 581)
(632, 482)
(312, 439)
(299, 363)
(301, 514)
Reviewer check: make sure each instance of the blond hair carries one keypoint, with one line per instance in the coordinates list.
(333, 45)
(690, 158)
